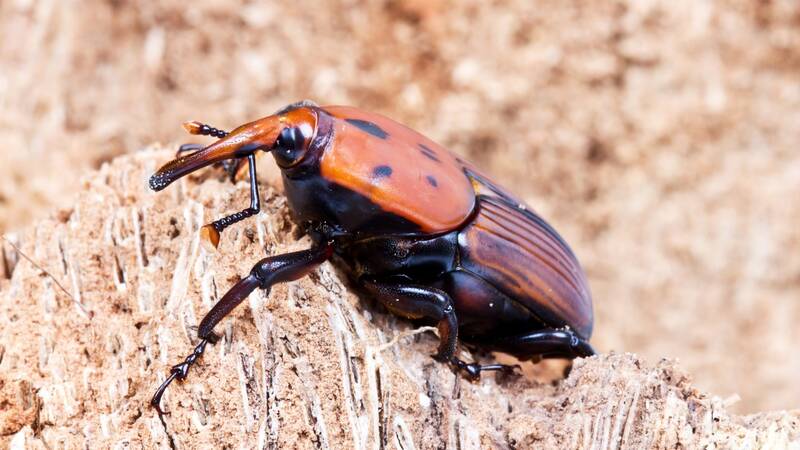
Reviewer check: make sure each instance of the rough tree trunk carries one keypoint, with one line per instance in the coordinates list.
(308, 366)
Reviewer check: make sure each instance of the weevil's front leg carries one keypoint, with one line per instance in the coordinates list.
(231, 167)
(188, 148)
(416, 302)
(213, 229)
(266, 273)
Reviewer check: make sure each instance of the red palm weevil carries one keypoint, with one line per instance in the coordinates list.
(425, 233)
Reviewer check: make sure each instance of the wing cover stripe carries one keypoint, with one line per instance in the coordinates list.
(508, 248)
(545, 256)
(536, 235)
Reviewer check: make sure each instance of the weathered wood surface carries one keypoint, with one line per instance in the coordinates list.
(310, 365)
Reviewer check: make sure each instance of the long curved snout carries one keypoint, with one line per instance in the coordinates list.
(177, 168)
(239, 143)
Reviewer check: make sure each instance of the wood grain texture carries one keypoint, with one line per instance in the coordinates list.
(309, 365)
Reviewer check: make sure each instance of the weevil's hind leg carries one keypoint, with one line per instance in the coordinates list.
(416, 302)
(546, 343)
(266, 273)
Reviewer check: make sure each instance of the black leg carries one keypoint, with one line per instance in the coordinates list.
(215, 228)
(266, 273)
(188, 148)
(546, 343)
(255, 203)
(231, 168)
(416, 302)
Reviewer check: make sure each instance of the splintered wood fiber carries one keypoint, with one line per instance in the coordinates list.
(310, 364)
(660, 138)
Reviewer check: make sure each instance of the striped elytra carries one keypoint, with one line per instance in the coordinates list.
(517, 252)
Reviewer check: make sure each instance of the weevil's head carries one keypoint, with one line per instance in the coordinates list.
(288, 134)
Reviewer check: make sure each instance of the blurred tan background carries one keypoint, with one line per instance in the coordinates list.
(662, 139)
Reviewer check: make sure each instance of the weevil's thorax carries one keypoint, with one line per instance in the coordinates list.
(372, 176)
(314, 199)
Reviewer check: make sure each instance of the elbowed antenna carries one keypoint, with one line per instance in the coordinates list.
(199, 128)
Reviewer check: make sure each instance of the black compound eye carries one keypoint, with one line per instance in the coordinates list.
(290, 146)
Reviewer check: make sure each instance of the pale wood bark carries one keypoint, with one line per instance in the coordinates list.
(310, 365)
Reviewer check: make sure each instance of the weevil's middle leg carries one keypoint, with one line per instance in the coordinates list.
(417, 301)
(266, 273)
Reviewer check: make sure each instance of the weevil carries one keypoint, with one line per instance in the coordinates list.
(424, 232)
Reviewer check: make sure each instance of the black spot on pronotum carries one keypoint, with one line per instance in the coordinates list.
(382, 172)
(432, 181)
(428, 152)
(369, 127)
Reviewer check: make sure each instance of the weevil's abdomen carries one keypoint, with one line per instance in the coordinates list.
(523, 257)
(401, 171)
